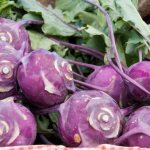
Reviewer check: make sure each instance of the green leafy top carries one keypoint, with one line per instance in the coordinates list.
(54, 21)
(6, 9)
(84, 24)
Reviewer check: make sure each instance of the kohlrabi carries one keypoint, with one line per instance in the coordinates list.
(9, 59)
(15, 34)
(137, 128)
(106, 79)
(140, 72)
(88, 118)
(45, 78)
(17, 124)
(109, 81)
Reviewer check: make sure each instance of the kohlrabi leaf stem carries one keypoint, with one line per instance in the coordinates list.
(88, 85)
(79, 75)
(26, 22)
(79, 70)
(90, 51)
(44, 139)
(82, 64)
(111, 33)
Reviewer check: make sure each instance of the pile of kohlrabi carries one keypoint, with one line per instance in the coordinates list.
(73, 95)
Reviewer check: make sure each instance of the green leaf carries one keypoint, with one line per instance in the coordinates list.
(60, 50)
(126, 10)
(89, 18)
(135, 2)
(110, 5)
(131, 60)
(43, 124)
(94, 18)
(93, 31)
(129, 14)
(126, 18)
(32, 16)
(54, 117)
(54, 22)
(71, 8)
(38, 40)
(6, 9)
(121, 50)
(97, 42)
(136, 42)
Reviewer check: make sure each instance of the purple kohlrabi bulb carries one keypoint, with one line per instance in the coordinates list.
(17, 124)
(137, 128)
(45, 78)
(140, 72)
(9, 59)
(109, 80)
(89, 118)
(15, 34)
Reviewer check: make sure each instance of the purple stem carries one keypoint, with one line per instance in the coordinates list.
(127, 77)
(111, 33)
(79, 70)
(140, 55)
(83, 49)
(79, 75)
(47, 110)
(128, 110)
(78, 89)
(44, 139)
(25, 22)
(82, 64)
(22, 49)
(81, 87)
(88, 85)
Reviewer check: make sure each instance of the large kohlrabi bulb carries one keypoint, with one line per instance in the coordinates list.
(89, 118)
(45, 78)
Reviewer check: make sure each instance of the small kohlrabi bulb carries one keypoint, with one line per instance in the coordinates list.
(9, 59)
(17, 124)
(45, 78)
(15, 34)
(140, 72)
(136, 131)
(109, 80)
